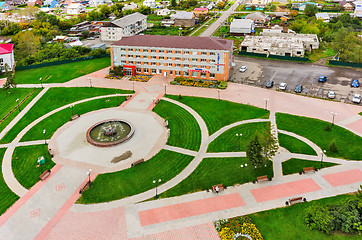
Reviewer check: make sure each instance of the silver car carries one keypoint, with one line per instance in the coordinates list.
(283, 86)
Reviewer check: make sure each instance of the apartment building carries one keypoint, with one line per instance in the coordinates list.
(172, 56)
(127, 26)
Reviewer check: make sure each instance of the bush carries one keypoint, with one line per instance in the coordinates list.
(328, 128)
(319, 218)
(333, 147)
(223, 85)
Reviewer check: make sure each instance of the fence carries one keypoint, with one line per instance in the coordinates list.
(59, 62)
(345, 64)
(263, 55)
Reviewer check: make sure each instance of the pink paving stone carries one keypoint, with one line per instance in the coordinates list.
(197, 232)
(189, 209)
(343, 178)
(356, 125)
(108, 225)
(285, 190)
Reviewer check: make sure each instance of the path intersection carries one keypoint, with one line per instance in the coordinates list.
(48, 210)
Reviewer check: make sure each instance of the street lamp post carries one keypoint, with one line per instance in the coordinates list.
(41, 84)
(72, 107)
(266, 103)
(17, 102)
(179, 31)
(45, 140)
(90, 81)
(334, 114)
(153, 102)
(322, 153)
(239, 136)
(243, 167)
(89, 180)
(133, 86)
(155, 182)
(218, 94)
(165, 85)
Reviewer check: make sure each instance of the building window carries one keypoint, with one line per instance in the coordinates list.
(212, 53)
(178, 65)
(138, 56)
(194, 74)
(153, 70)
(178, 52)
(170, 64)
(138, 70)
(194, 59)
(177, 73)
(204, 53)
(153, 63)
(212, 75)
(203, 75)
(171, 72)
(212, 60)
(145, 70)
(203, 60)
(154, 57)
(177, 59)
(1, 60)
(186, 74)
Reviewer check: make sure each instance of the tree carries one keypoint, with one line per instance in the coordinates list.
(319, 218)
(333, 147)
(269, 144)
(254, 152)
(85, 34)
(144, 10)
(10, 82)
(28, 44)
(173, 3)
(310, 10)
(346, 42)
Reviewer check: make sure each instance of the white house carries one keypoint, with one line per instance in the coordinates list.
(323, 15)
(6, 56)
(75, 8)
(149, 3)
(130, 6)
(241, 26)
(358, 9)
(163, 12)
(95, 3)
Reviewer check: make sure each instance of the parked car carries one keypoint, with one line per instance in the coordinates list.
(322, 79)
(282, 86)
(355, 83)
(331, 94)
(90, 38)
(356, 98)
(243, 68)
(269, 84)
(298, 88)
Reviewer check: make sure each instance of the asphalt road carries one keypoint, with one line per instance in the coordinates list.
(261, 71)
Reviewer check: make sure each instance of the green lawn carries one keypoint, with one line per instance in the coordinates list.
(61, 73)
(229, 142)
(184, 130)
(212, 171)
(24, 163)
(349, 145)
(112, 186)
(295, 145)
(55, 121)
(53, 99)
(218, 114)
(8, 102)
(295, 165)
(288, 222)
(7, 196)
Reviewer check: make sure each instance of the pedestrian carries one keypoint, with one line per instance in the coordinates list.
(217, 189)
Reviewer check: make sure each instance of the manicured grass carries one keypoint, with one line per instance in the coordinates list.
(229, 142)
(360, 113)
(112, 186)
(9, 102)
(7, 196)
(349, 145)
(61, 73)
(25, 165)
(295, 165)
(52, 99)
(212, 171)
(218, 114)
(55, 121)
(184, 130)
(288, 222)
(295, 145)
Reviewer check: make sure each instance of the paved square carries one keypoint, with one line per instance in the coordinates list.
(344, 178)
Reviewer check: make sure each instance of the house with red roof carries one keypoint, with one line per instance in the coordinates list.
(201, 12)
(6, 56)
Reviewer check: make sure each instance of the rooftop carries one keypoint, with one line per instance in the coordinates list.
(182, 15)
(6, 48)
(184, 42)
(129, 19)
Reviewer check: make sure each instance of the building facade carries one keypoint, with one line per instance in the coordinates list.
(124, 27)
(174, 56)
(6, 56)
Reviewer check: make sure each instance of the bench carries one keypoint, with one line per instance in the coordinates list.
(137, 162)
(157, 101)
(262, 178)
(295, 200)
(84, 187)
(308, 169)
(74, 117)
(165, 123)
(220, 186)
(51, 153)
(128, 97)
(44, 175)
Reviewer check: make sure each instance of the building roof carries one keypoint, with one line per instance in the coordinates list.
(182, 15)
(256, 15)
(6, 48)
(322, 15)
(201, 9)
(184, 42)
(241, 23)
(129, 19)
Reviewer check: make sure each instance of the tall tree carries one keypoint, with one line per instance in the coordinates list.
(10, 82)
(254, 152)
(310, 10)
(28, 44)
(269, 145)
(173, 3)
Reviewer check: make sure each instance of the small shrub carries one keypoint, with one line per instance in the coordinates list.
(328, 128)
(333, 147)
(319, 218)
(223, 85)
(179, 96)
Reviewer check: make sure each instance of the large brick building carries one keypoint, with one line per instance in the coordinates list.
(196, 57)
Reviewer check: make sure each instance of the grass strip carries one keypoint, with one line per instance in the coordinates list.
(295, 145)
(295, 165)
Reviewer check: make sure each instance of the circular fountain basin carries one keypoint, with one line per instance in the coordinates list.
(108, 133)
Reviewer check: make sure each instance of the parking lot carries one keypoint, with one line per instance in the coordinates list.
(260, 71)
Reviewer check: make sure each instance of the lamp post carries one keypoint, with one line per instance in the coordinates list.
(218, 94)
(132, 85)
(334, 114)
(45, 140)
(239, 136)
(179, 31)
(41, 84)
(153, 102)
(322, 153)
(155, 182)
(243, 167)
(266, 103)
(165, 85)
(17, 102)
(90, 81)
(72, 107)
(89, 180)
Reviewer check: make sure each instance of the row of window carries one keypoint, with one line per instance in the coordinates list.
(166, 51)
(168, 64)
(169, 58)
(176, 73)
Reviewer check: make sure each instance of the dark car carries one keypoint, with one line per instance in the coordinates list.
(298, 88)
(269, 84)
(322, 79)
(355, 83)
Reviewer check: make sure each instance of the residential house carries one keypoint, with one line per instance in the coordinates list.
(6, 6)
(34, 2)
(18, 2)
(201, 12)
(59, 39)
(6, 56)
(95, 3)
(259, 2)
(240, 27)
(124, 27)
(302, 6)
(210, 6)
(258, 18)
(51, 3)
(173, 56)
(68, 2)
(183, 19)
(347, 6)
(149, 3)
(323, 16)
(358, 9)
(130, 6)
(77, 29)
(163, 12)
(75, 8)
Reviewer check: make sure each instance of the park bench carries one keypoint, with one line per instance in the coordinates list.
(308, 169)
(220, 186)
(44, 175)
(84, 187)
(128, 97)
(262, 178)
(51, 153)
(295, 200)
(137, 162)
(74, 117)
(157, 101)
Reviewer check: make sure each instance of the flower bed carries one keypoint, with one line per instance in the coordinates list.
(140, 78)
(198, 83)
(227, 228)
(111, 76)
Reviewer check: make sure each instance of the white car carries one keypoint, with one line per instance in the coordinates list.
(356, 98)
(283, 86)
(331, 94)
(243, 68)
